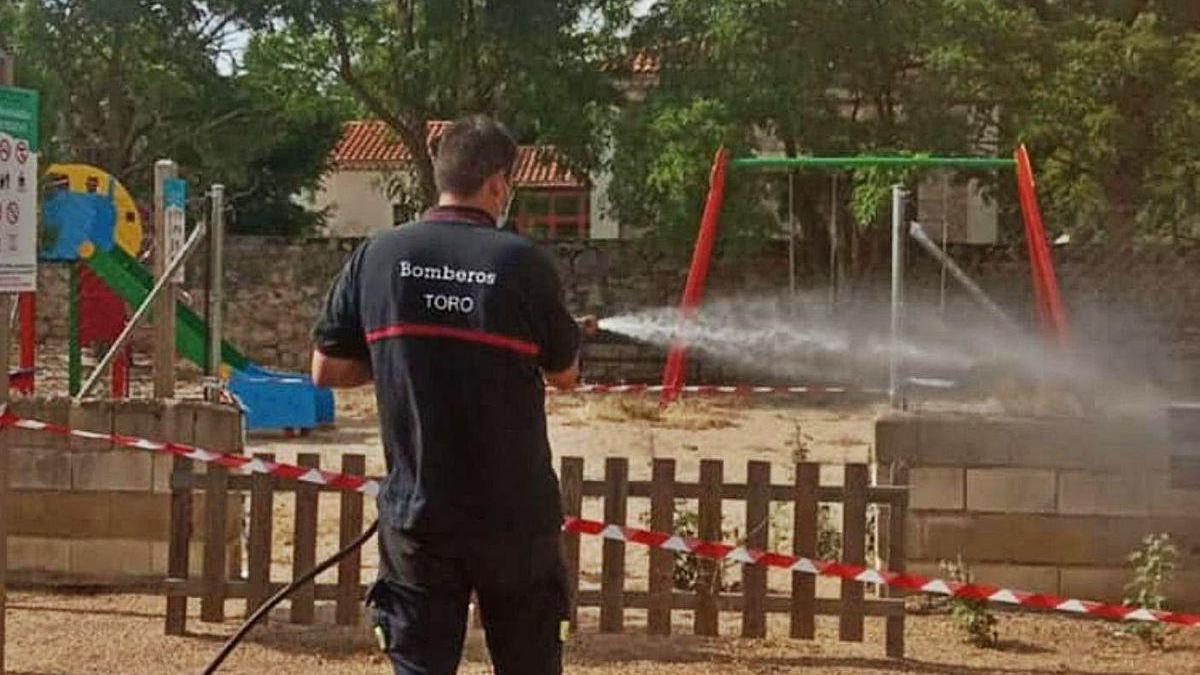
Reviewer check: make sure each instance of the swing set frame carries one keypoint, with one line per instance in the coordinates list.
(1047, 296)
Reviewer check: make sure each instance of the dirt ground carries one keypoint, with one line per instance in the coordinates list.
(61, 635)
(51, 634)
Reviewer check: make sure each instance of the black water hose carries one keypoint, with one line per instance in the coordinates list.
(282, 595)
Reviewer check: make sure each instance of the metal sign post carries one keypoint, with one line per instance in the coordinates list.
(216, 285)
(895, 365)
(18, 250)
(6, 79)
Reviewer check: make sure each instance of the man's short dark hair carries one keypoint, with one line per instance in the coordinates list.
(473, 149)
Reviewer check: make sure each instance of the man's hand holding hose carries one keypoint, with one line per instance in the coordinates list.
(589, 325)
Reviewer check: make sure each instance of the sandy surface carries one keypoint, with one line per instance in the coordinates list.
(596, 427)
(53, 634)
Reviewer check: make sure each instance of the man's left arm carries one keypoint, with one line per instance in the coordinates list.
(556, 331)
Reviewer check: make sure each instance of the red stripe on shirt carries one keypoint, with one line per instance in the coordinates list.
(466, 334)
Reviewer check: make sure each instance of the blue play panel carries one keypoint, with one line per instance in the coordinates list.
(278, 400)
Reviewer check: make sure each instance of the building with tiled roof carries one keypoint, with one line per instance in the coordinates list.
(553, 202)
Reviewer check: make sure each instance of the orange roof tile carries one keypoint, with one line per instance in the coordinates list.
(645, 62)
(368, 145)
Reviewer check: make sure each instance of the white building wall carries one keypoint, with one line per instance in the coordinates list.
(357, 201)
(603, 223)
(961, 209)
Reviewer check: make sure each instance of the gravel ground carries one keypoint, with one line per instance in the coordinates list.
(69, 634)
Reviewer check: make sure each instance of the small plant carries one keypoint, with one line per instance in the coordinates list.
(872, 548)
(1153, 568)
(800, 443)
(978, 623)
(686, 570)
(829, 537)
(685, 573)
(781, 526)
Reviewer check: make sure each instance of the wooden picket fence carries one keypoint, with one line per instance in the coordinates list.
(707, 600)
(214, 586)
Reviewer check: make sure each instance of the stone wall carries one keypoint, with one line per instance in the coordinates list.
(83, 513)
(1052, 505)
(1141, 306)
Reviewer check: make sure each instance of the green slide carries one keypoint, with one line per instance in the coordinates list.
(130, 280)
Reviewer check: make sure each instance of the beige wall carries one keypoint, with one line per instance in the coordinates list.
(1048, 505)
(86, 513)
(357, 201)
(358, 205)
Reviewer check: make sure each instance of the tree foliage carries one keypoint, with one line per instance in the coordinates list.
(1115, 120)
(1104, 92)
(535, 64)
(127, 82)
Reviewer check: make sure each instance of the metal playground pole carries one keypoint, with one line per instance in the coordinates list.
(895, 365)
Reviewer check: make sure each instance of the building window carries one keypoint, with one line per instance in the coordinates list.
(553, 214)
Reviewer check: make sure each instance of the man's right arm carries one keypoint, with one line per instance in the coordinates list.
(341, 357)
(328, 371)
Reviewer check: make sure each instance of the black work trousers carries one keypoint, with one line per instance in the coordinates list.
(419, 604)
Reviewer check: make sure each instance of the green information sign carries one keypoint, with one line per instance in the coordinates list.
(19, 114)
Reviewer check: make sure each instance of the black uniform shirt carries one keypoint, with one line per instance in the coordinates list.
(456, 319)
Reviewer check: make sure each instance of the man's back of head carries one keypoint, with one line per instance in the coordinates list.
(471, 151)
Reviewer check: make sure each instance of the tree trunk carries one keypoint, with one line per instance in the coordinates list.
(1122, 224)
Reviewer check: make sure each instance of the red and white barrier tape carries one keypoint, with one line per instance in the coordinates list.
(912, 582)
(708, 390)
(661, 540)
(236, 463)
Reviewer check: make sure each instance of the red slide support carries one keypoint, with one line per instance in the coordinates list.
(27, 314)
(102, 319)
(1047, 298)
(697, 273)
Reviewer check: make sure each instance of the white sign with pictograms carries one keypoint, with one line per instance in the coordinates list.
(18, 216)
(175, 220)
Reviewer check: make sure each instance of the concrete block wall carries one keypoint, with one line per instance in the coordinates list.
(1045, 505)
(82, 512)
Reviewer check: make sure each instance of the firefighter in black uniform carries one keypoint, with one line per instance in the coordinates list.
(459, 324)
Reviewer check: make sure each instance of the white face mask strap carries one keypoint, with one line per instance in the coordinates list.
(512, 197)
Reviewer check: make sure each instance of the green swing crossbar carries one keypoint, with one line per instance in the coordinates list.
(862, 161)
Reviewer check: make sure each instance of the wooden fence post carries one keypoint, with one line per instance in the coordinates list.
(572, 496)
(215, 428)
(804, 526)
(216, 512)
(758, 524)
(662, 563)
(350, 568)
(304, 541)
(897, 557)
(164, 305)
(612, 570)
(179, 426)
(258, 557)
(708, 579)
(854, 540)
